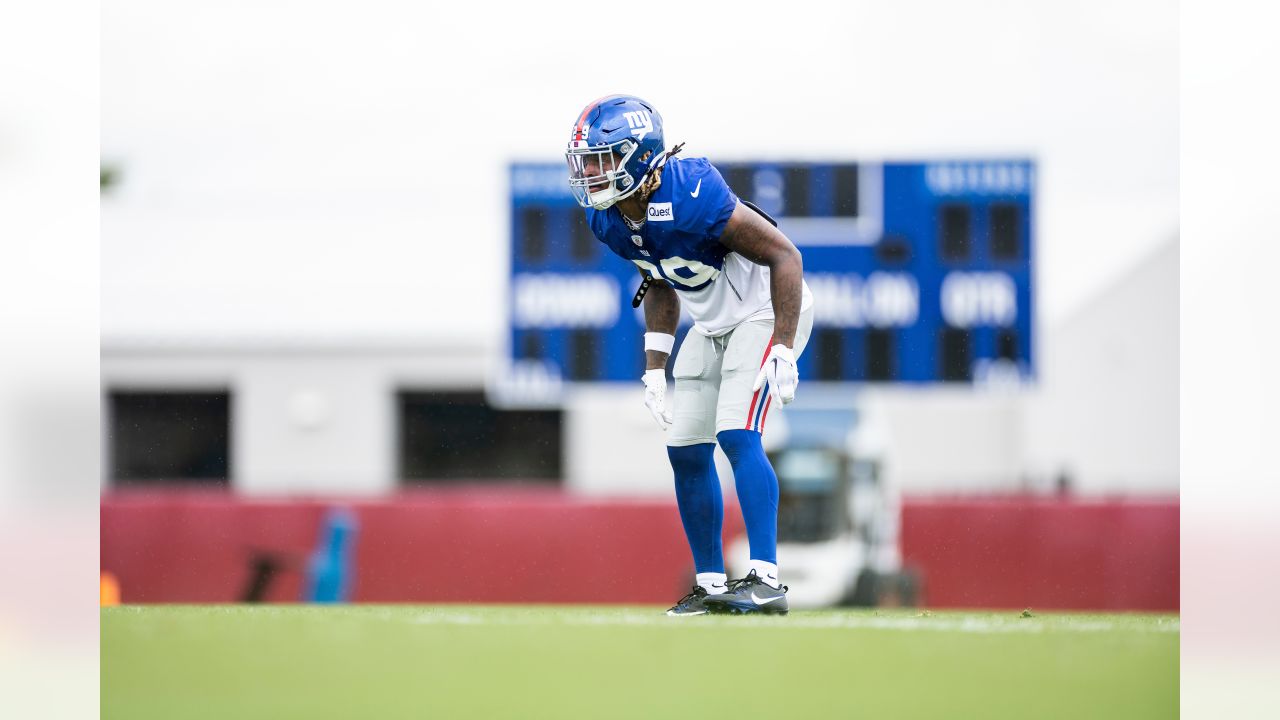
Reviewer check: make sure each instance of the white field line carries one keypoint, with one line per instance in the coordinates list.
(658, 619)
(981, 626)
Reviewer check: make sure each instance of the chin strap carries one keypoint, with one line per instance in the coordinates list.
(642, 290)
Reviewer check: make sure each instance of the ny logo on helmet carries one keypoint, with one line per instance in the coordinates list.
(641, 123)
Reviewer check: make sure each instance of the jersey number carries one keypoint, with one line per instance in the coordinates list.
(689, 273)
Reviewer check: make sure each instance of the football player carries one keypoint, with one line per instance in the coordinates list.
(742, 282)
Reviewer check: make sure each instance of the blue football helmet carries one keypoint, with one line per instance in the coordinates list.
(615, 144)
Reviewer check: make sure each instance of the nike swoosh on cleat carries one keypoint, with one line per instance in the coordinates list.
(764, 601)
(697, 189)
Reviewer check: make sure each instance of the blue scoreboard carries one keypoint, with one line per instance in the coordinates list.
(921, 272)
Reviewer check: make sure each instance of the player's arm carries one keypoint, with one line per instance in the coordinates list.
(751, 236)
(661, 315)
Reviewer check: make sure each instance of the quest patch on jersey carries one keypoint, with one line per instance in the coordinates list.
(660, 212)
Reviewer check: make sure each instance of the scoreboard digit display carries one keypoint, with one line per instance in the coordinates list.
(921, 273)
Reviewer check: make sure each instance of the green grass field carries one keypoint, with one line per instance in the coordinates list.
(408, 661)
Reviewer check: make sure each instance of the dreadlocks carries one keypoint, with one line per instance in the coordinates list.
(654, 179)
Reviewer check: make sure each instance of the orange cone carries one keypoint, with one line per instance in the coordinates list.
(108, 590)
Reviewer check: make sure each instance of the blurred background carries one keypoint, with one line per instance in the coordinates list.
(357, 346)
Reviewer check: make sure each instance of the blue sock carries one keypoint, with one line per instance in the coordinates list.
(701, 505)
(757, 490)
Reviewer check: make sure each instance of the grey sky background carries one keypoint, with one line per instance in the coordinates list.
(336, 171)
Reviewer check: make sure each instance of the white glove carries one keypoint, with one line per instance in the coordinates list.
(780, 370)
(655, 393)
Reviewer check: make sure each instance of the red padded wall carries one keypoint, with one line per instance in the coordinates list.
(1044, 553)
(542, 545)
(477, 545)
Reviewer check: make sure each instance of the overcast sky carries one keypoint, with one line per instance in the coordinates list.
(324, 170)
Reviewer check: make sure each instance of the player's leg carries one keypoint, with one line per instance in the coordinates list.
(690, 447)
(741, 416)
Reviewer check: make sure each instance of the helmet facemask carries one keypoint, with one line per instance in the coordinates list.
(598, 175)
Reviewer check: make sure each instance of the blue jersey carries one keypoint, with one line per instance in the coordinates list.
(685, 218)
(680, 243)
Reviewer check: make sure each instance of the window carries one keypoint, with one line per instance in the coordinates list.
(1004, 231)
(1007, 345)
(447, 436)
(533, 225)
(953, 232)
(813, 494)
(530, 346)
(879, 354)
(584, 355)
(830, 354)
(169, 437)
(957, 355)
(796, 190)
(582, 242)
(739, 179)
(846, 191)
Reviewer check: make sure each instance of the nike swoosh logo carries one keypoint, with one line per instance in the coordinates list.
(697, 189)
(763, 601)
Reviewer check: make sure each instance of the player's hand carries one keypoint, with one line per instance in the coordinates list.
(655, 395)
(779, 370)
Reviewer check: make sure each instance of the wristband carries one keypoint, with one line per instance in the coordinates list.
(660, 342)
